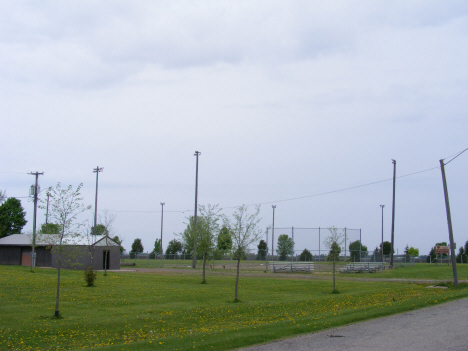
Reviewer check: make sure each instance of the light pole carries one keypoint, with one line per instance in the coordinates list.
(194, 255)
(381, 247)
(273, 232)
(162, 219)
(393, 213)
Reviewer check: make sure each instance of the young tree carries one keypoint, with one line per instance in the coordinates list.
(174, 247)
(157, 247)
(50, 228)
(64, 208)
(262, 250)
(207, 231)
(12, 217)
(334, 242)
(245, 231)
(305, 256)
(357, 251)
(137, 246)
(284, 246)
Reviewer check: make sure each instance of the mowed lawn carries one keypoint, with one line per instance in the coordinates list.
(130, 311)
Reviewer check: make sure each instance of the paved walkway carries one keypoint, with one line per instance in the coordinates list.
(441, 327)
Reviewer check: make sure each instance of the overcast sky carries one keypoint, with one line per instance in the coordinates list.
(284, 100)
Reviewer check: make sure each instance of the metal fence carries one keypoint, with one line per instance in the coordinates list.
(259, 260)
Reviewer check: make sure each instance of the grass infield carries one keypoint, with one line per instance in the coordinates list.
(173, 311)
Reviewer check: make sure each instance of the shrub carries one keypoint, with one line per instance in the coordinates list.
(90, 276)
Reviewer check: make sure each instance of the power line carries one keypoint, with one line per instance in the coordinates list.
(12, 172)
(299, 197)
(339, 190)
(446, 163)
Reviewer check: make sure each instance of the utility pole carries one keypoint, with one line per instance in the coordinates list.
(266, 251)
(381, 245)
(97, 170)
(449, 222)
(393, 215)
(194, 253)
(273, 232)
(33, 252)
(162, 219)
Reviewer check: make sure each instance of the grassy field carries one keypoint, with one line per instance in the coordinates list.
(426, 271)
(173, 311)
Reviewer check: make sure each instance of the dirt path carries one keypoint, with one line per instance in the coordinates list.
(176, 271)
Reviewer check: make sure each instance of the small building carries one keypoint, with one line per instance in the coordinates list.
(77, 251)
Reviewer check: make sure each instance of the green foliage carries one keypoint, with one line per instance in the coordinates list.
(284, 246)
(12, 217)
(174, 247)
(387, 248)
(224, 239)
(305, 256)
(50, 228)
(208, 228)
(100, 230)
(357, 251)
(157, 247)
(413, 252)
(137, 246)
(118, 241)
(334, 253)
(90, 276)
(189, 236)
(262, 250)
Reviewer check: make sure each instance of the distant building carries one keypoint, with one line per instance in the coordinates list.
(77, 251)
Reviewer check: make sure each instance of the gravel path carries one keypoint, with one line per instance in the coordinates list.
(441, 327)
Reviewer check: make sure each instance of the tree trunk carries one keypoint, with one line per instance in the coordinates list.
(333, 275)
(237, 279)
(194, 257)
(204, 265)
(58, 287)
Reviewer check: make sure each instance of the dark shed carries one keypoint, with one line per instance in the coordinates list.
(77, 251)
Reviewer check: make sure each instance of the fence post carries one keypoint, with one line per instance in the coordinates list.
(360, 245)
(292, 234)
(320, 258)
(345, 244)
